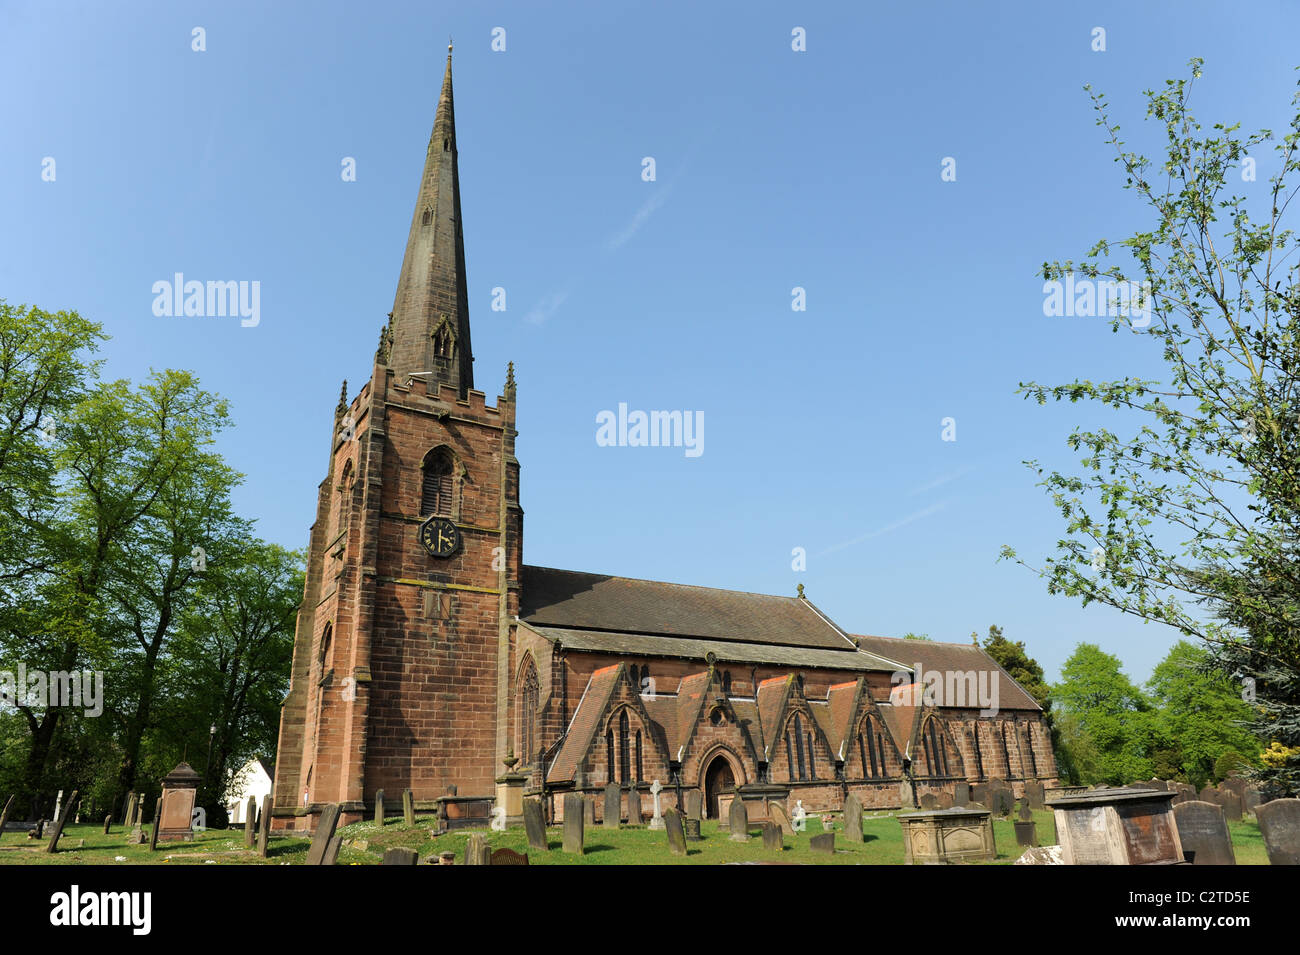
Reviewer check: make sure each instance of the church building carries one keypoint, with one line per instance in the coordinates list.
(428, 656)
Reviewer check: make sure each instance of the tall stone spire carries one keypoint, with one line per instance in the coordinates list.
(430, 323)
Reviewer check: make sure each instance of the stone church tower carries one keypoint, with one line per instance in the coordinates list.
(402, 652)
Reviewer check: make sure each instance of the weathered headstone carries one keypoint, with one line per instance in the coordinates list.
(53, 845)
(1203, 833)
(329, 821)
(153, 832)
(776, 812)
(634, 817)
(400, 856)
(676, 834)
(694, 804)
(692, 827)
(1026, 832)
(589, 810)
(929, 801)
(979, 793)
(852, 818)
(250, 817)
(1232, 805)
(573, 823)
(1025, 813)
(379, 808)
(108, 823)
(264, 826)
(128, 817)
(1210, 794)
(534, 825)
(823, 842)
(906, 797)
(613, 798)
(1252, 800)
(477, 850)
(738, 821)
(408, 807)
(1035, 793)
(945, 799)
(961, 793)
(1003, 802)
(1279, 824)
(58, 804)
(773, 840)
(657, 820)
(332, 851)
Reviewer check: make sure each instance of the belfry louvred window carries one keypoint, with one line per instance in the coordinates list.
(439, 484)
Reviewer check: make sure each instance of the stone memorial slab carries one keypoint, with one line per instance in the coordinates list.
(477, 850)
(1042, 855)
(153, 830)
(589, 810)
(398, 856)
(1279, 824)
(1252, 800)
(408, 807)
(1026, 832)
(1210, 794)
(613, 799)
(250, 817)
(1002, 802)
(573, 823)
(535, 825)
(179, 789)
(945, 799)
(906, 795)
(776, 812)
(738, 821)
(1117, 827)
(264, 826)
(108, 823)
(947, 835)
(692, 827)
(657, 820)
(53, 845)
(852, 819)
(1232, 805)
(1035, 793)
(320, 841)
(9, 804)
(979, 793)
(634, 816)
(1203, 832)
(331, 856)
(772, 838)
(929, 801)
(379, 808)
(676, 833)
(823, 842)
(694, 804)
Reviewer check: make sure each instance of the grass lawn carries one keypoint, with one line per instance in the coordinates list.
(364, 844)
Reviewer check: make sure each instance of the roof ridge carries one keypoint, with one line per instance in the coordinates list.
(669, 583)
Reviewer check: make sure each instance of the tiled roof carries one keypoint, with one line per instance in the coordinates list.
(586, 720)
(840, 699)
(564, 598)
(771, 697)
(899, 720)
(959, 657)
(648, 645)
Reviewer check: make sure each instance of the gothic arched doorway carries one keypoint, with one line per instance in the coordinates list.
(718, 778)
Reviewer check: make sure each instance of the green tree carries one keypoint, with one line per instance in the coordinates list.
(1111, 719)
(1194, 504)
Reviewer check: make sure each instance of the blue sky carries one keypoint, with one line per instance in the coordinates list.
(775, 169)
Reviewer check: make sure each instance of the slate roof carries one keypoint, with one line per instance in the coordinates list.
(933, 655)
(649, 645)
(578, 601)
(586, 721)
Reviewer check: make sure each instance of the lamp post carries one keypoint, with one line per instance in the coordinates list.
(207, 766)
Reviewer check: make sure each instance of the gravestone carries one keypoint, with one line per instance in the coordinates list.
(179, 789)
(379, 808)
(906, 797)
(772, 839)
(128, 816)
(264, 826)
(738, 821)
(613, 797)
(108, 823)
(534, 825)
(59, 823)
(929, 801)
(676, 834)
(1026, 832)
(399, 856)
(573, 822)
(1210, 794)
(320, 842)
(1252, 800)
(4, 815)
(58, 804)
(507, 857)
(1279, 824)
(1203, 832)
(945, 799)
(250, 816)
(776, 812)
(1231, 803)
(961, 794)
(589, 810)
(657, 820)
(153, 831)
(979, 793)
(1035, 793)
(694, 804)
(408, 807)
(1002, 803)
(477, 851)
(634, 817)
(823, 842)
(852, 819)
(692, 827)
(1117, 827)
(1025, 814)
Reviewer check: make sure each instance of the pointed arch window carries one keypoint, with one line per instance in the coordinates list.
(439, 484)
(979, 756)
(1029, 739)
(609, 753)
(798, 746)
(528, 715)
(444, 340)
(867, 751)
(624, 757)
(1006, 753)
(639, 774)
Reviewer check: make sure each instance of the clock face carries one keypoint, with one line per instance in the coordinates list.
(440, 537)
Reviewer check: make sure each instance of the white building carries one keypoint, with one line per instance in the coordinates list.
(254, 779)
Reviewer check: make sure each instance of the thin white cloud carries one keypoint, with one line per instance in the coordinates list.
(940, 481)
(889, 528)
(642, 216)
(546, 307)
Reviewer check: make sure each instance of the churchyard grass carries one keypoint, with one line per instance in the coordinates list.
(364, 844)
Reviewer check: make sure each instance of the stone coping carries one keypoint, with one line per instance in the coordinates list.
(955, 811)
(1099, 797)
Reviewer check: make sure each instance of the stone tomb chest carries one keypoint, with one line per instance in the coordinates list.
(960, 834)
(1117, 827)
(175, 818)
